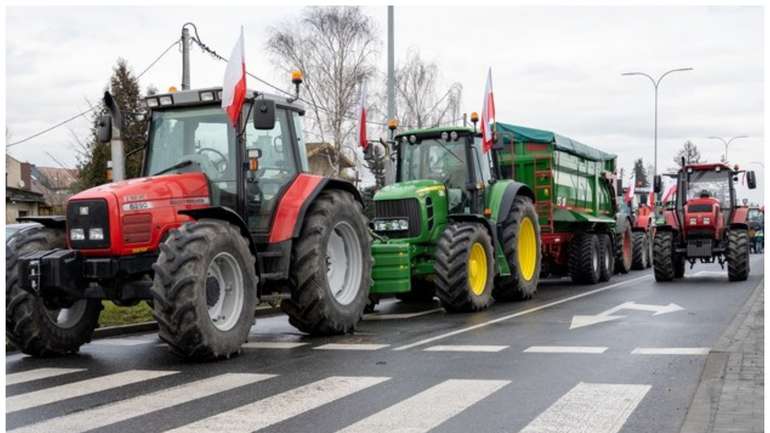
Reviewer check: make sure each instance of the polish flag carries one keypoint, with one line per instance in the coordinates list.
(234, 87)
(361, 117)
(651, 199)
(631, 188)
(488, 114)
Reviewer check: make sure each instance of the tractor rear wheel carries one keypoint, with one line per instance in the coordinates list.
(626, 250)
(663, 259)
(679, 266)
(521, 245)
(465, 264)
(738, 255)
(31, 326)
(606, 258)
(641, 251)
(584, 259)
(331, 267)
(205, 290)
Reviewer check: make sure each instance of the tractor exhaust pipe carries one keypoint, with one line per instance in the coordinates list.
(108, 131)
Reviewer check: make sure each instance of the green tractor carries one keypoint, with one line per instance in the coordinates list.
(452, 227)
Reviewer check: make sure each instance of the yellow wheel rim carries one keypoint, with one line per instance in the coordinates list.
(527, 249)
(477, 269)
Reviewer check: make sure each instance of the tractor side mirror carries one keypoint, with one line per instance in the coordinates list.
(657, 184)
(751, 179)
(264, 114)
(252, 157)
(104, 129)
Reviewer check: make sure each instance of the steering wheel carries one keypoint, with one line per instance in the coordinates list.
(221, 163)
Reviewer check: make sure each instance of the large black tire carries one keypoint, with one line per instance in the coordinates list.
(738, 255)
(606, 258)
(663, 259)
(584, 259)
(641, 251)
(185, 287)
(453, 276)
(625, 250)
(522, 283)
(680, 265)
(27, 322)
(313, 307)
(422, 291)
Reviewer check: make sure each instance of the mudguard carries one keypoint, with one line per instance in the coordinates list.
(51, 222)
(224, 214)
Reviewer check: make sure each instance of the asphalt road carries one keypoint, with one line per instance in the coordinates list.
(630, 362)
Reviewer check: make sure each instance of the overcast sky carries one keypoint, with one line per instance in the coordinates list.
(555, 68)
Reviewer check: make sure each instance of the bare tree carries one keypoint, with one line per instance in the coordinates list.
(690, 153)
(335, 48)
(419, 101)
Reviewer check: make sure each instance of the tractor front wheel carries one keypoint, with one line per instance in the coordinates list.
(641, 254)
(584, 259)
(626, 250)
(31, 326)
(738, 255)
(205, 290)
(663, 260)
(521, 245)
(465, 265)
(331, 267)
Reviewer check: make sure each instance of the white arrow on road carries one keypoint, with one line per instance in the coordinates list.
(607, 316)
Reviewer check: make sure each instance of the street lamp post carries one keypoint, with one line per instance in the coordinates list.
(727, 142)
(655, 85)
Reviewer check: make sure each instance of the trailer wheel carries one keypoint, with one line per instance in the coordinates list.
(32, 327)
(641, 251)
(465, 264)
(663, 256)
(521, 245)
(584, 258)
(331, 267)
(626, 251)
(606, 258)
(205, 290)
(738, 255)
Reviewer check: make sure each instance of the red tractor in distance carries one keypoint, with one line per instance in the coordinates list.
(705, 224)
(223, 217)
(642, 207)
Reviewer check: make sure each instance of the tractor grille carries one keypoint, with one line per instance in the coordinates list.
(699, 208)
(94, 217)
(405, 208)
(137, 228)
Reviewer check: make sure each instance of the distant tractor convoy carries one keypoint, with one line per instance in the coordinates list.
(223, 218)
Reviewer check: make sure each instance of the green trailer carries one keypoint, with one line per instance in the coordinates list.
(451, 226)
(584, 232)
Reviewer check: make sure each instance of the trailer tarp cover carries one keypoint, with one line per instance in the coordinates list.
(560, 142)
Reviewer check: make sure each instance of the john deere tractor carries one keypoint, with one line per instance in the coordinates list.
(451, 226)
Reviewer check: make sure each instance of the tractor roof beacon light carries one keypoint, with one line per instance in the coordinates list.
(392, 124)
(296, 78)
(474, 120)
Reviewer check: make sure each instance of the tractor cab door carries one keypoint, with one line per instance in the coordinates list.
(283, 156)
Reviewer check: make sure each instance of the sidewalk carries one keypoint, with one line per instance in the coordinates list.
(730, 396)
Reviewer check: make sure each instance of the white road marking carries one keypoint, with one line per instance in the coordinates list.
(671, 351)
(121, 342)
(518, 314)
(273, 345)
(590, 407)
(137, 406)
(428, 409)
(14, 357)
(566, 349)
(79, 389)
(351, 346)
(607, 315)
(280, 407)
(400, 316)
(465, 348)
(37, 374)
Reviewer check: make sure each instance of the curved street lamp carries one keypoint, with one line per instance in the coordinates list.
(655, 85)
(727, 142)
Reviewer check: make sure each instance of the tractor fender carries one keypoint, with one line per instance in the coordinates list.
(509, 194)
(475, 218)
(664, 228)
(742, 226)
(324, 185)
(224, 214)
(58, 222)
(740, 215)
(643, 223)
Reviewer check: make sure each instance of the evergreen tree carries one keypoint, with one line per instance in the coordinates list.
(641, 173)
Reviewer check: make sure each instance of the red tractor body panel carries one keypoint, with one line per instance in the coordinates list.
(301, 189)
(703, 216)
(740, 215)
(141, 211)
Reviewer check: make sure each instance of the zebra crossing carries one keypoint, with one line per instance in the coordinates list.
(599, 408)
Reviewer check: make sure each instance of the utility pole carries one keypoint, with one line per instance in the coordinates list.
(391, 68)
(185, 58)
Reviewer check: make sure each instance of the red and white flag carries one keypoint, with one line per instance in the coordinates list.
(488, 114)
(361, 117)
(631, 188)
(234, 87)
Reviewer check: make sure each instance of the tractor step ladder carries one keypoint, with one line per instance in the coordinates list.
(543, 188)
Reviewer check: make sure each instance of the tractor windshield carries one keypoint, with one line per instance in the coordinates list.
(435, 159)
(709, 183)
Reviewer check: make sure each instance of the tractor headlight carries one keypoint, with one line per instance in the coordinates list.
(693, 221)
(391, 225)
(96, 234)
(166, 100)
(151, 102)
(207, 96)
(403, 224)
(77, 235)
(706, 220)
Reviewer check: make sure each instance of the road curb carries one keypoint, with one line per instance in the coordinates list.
(703, 407)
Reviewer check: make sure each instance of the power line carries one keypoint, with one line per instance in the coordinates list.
(70, 119)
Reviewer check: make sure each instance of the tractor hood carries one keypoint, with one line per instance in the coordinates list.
(148, 189)
(411, 189)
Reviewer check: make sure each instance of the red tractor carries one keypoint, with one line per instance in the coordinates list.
(643, 204)
(221, 218)
(705, 223)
